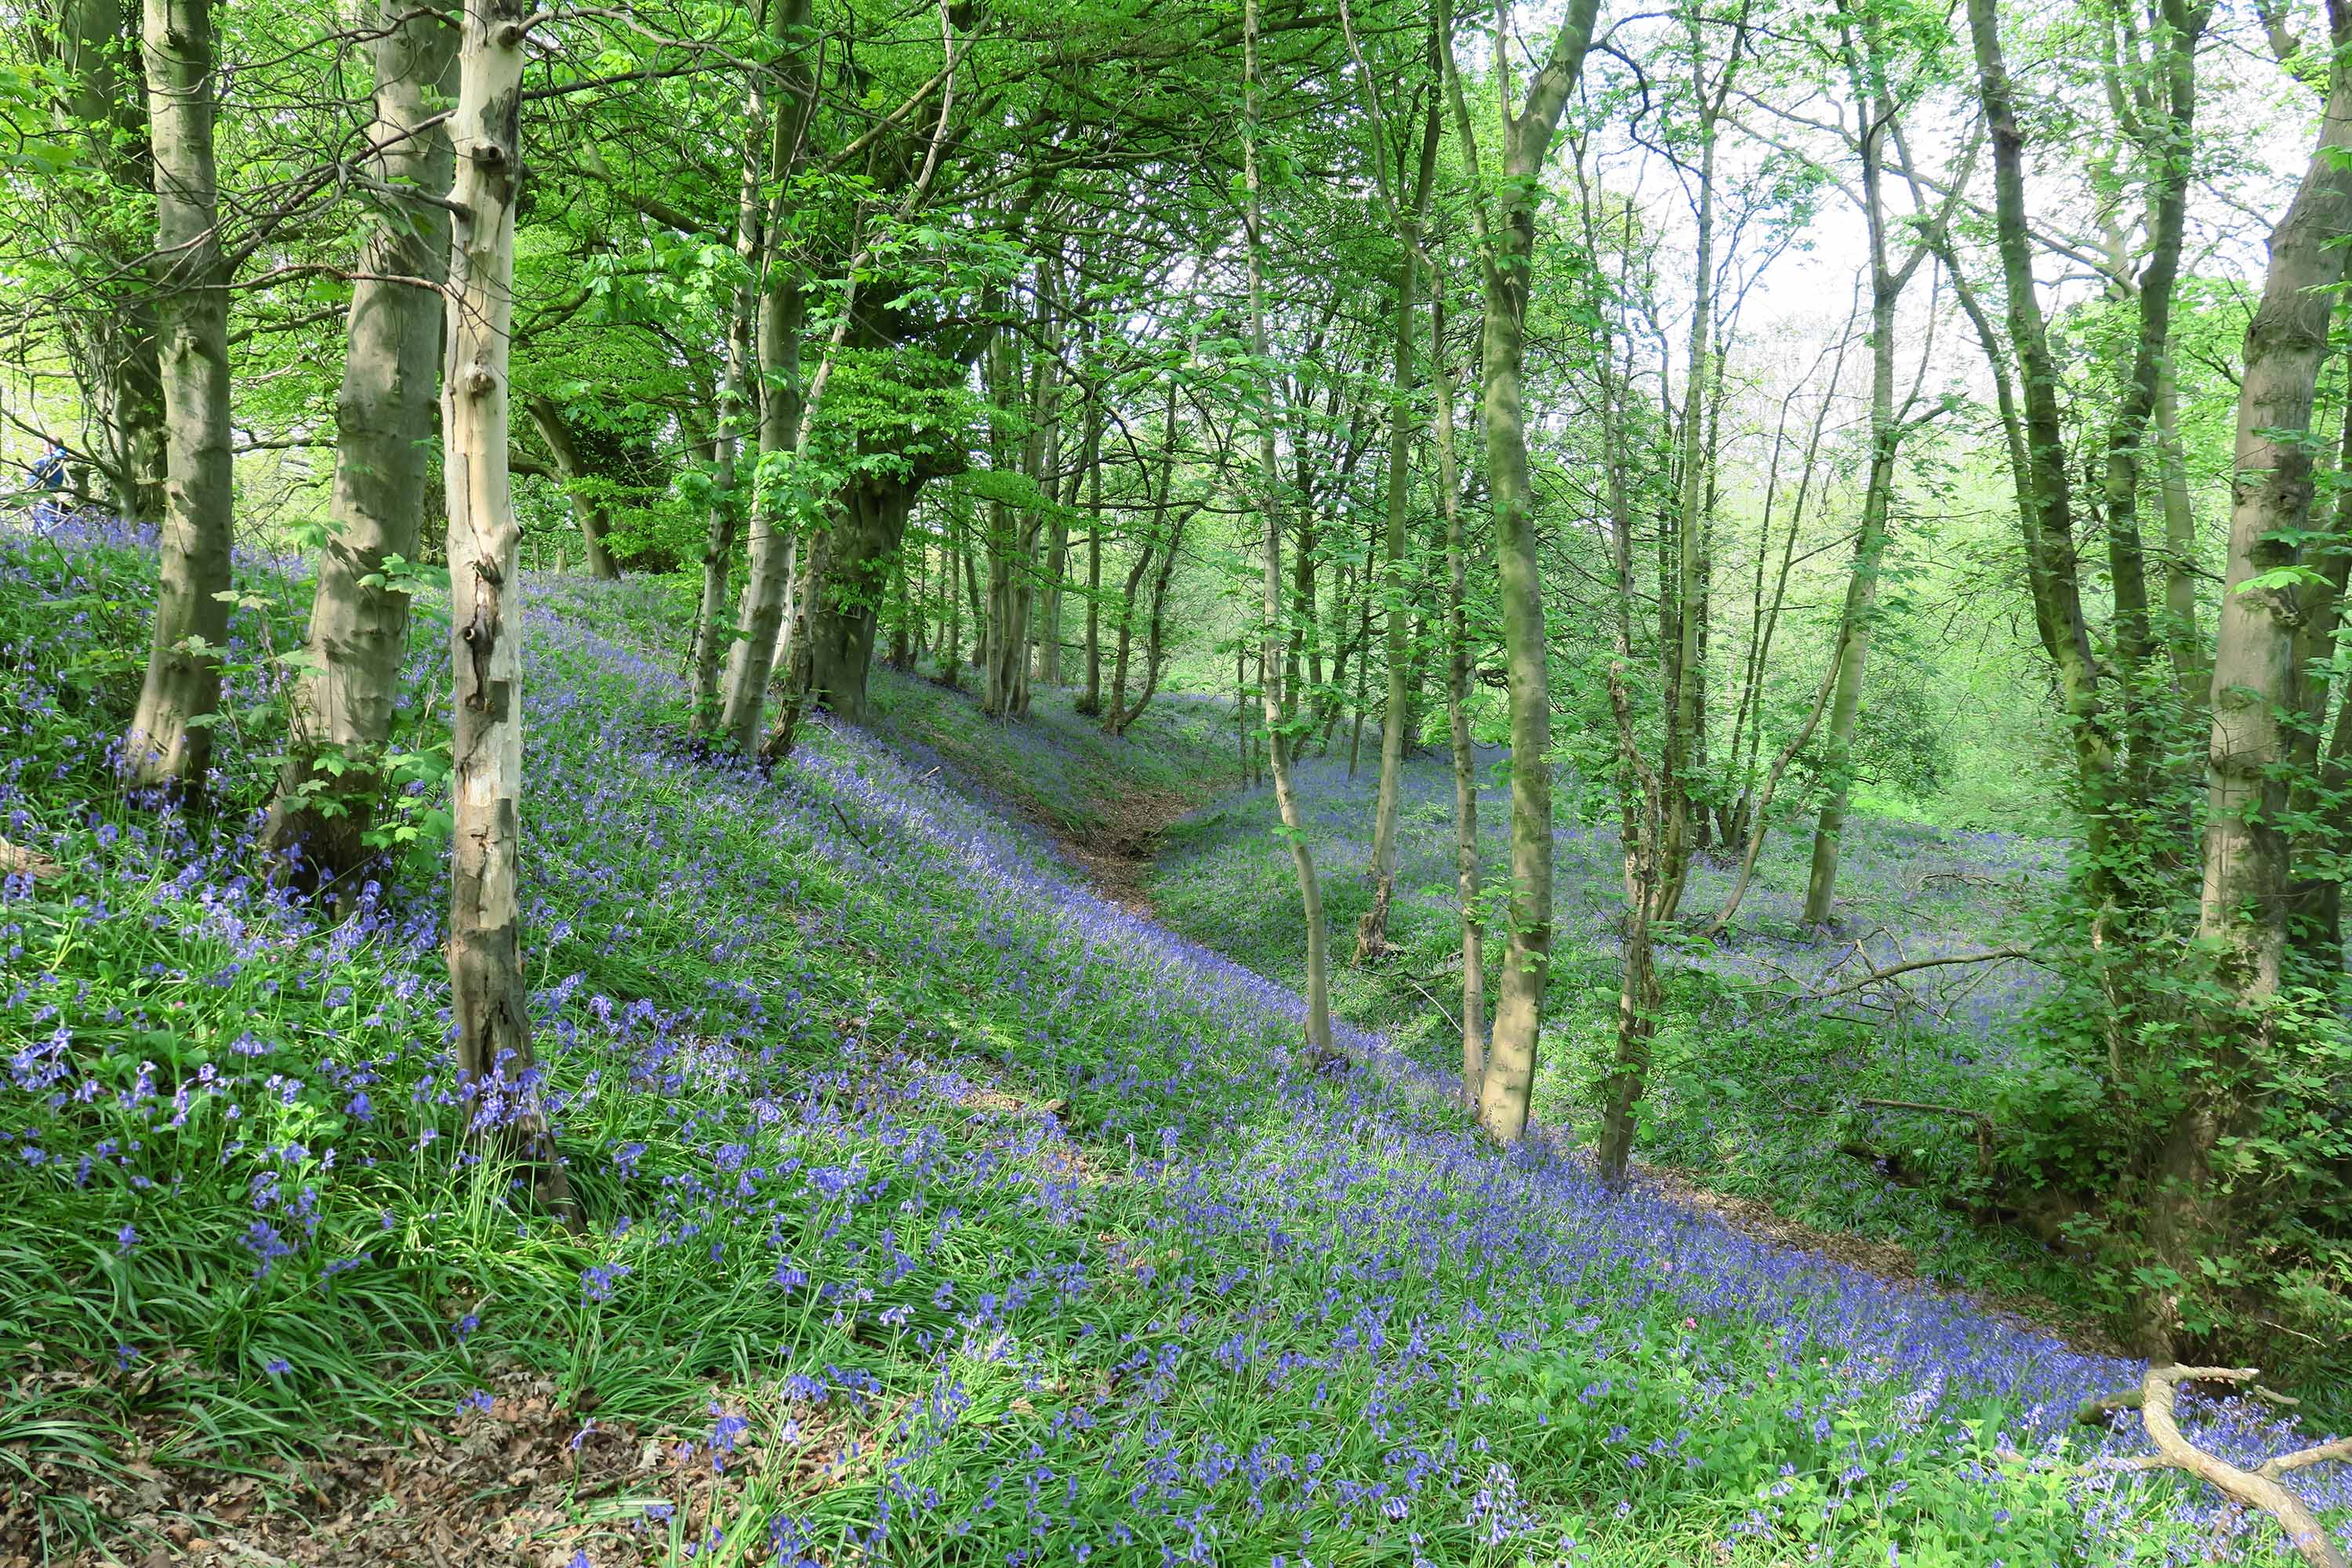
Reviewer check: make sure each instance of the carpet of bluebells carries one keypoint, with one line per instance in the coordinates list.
(987, 1221)
(1754, 1087)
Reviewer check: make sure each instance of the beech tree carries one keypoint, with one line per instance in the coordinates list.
(169, 744)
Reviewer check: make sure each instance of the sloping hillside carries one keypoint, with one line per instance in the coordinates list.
(938, 1211)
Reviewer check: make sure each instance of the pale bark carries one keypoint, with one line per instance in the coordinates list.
(488, 1000)
(1012, 541)
(739, 398)
(2243, 905)
(725, 519)
(169, 744)
(384, 413)
(1277, 737)
(1506, 249)
(760, 620)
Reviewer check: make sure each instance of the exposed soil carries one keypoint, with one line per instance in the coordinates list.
(1118, 858)
(1117, 854)
(516, 1484)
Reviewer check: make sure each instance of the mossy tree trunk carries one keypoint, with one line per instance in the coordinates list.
(169, 744)
(384, 412)
(1506, 236)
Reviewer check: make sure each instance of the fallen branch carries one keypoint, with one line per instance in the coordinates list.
(1878, 976)
(16, 857)
(1433, 1002)
(2252, 1489)
(1983, 1123)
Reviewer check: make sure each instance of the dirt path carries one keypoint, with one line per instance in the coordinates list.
(1118, 858)
(1117, 854)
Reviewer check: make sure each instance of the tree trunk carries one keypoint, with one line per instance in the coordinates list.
(1686, 685)
(2181, 639)
(1278, 739)
(488, 1002)
(384, 412)
(105, 108)
(738, 396)
(2244, 906)
(170, 741)
(594, 528)
(849, 570)
(2164, 135)
(1507, 249)
(1091, 702)
(1371, 931)
(952, 640)
(1155, 634)
(1457, 711)
(759, 617)
(1855, 621)
(2053, 571)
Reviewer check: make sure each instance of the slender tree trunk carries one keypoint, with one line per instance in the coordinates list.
(2189, 671)
(1155, 636)
(488, 1002)
(1507, 249)
(1270, 655)
(594, 528)
(952, 642)
(738, 398)
(1458, 710)
(170, 740)
(759, 617)
(1091, 702)
(2164, 135)
(1371, 931)
(2053, 571)
(1685, 687)
(1855, 621)
(384, 413)
(2244, 904)
(1643, 795)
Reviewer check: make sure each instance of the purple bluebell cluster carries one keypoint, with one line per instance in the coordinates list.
(1008, 1224)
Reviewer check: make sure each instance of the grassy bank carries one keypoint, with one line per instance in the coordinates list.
(939, 1212)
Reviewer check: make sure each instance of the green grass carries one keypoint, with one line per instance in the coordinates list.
(985, 1209)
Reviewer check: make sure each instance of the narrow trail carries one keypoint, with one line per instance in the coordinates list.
(1118, 860)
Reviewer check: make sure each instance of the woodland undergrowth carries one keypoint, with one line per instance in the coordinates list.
(949, 1212)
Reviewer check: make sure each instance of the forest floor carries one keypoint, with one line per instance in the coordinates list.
(939, 1210)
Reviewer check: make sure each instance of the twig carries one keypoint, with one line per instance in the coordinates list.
(1433, 1002)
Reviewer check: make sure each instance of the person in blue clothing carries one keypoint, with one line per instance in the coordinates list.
(48, 482)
